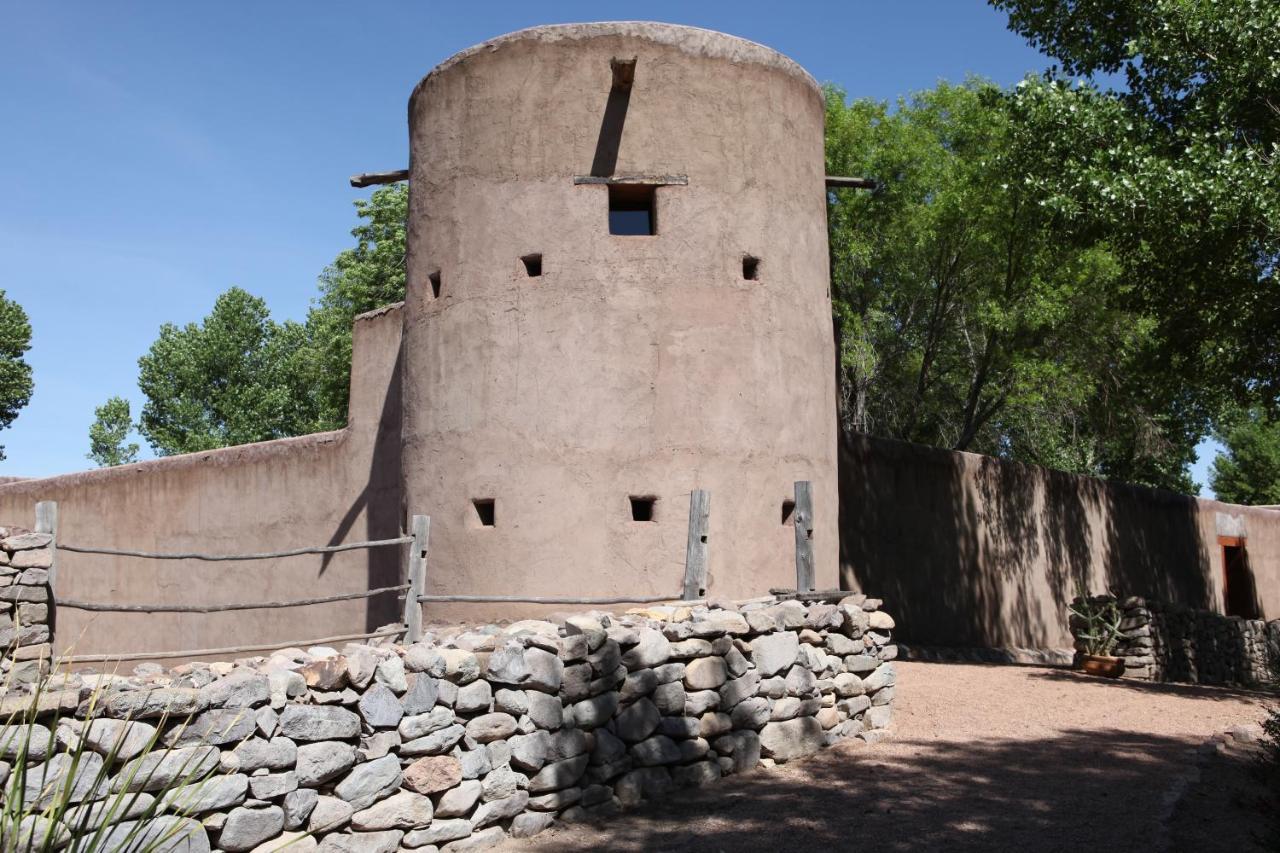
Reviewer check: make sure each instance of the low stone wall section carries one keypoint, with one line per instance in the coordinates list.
(475, 735)
(1162, 642)
(26, 603)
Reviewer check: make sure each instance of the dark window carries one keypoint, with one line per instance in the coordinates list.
(788, 512)
(1240, 592)
(484, 510)
(434, 278)
(642, 508)
(532, 265)
(633, 209)
(750, 268)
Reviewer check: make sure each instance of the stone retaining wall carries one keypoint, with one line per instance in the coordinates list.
(1167, 643)
(474, 735)
(26, 605)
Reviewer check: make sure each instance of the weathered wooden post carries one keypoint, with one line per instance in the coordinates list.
(47, 522)
(805, 581)
(420, 530)
(695, 555)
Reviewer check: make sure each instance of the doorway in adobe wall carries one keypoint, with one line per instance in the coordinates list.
(1240, 596)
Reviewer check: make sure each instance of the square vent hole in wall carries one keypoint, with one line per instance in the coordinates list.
(642, 507)
(484, 511)
(633, 210)
(788, 513)
(750, 268)
(434, 278)
(532, 265)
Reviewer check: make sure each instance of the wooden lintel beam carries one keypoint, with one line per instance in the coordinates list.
(624, 72)
(836, 181)
(369, 179)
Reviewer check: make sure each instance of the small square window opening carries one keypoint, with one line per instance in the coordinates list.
(484, 511)
(750, 268)
(434, 278)
(633, 210)
(532, 265)
(642, 508)
(788, 513)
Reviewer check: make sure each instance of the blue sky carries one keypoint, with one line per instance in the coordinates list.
(155, 154)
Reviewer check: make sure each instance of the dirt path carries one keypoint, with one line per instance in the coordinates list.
(992, 758)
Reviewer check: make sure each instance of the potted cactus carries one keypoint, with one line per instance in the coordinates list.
(1095, 623)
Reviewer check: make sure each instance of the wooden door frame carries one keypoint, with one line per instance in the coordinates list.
(1225, 542)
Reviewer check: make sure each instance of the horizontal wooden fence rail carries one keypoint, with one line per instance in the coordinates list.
(269, 555)
(393, 631)
(534, 599)
(218, 608)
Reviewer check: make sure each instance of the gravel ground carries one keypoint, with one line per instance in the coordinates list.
(993, 758)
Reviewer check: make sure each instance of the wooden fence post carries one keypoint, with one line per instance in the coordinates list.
(47, 522)
(805, 581)
(695, 555)
(420, 530)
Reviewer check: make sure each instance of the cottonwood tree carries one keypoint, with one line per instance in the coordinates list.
(1249, 471)
(108, 433)
(16, 385)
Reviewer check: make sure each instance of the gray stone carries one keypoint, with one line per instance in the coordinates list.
(475, 762)
(859, 664)
(491, 837)
(246, 828)
(121, 738)
(530, 824)
(689, 649)
(321, 762)
(421, 725)
(513, 702)
(596, 711)
(846, 684)
(390, 674)
(157, 771)
(652, 649)
(786, 708)
(175, 702)
(362, 665)
(423, 658)
(656, 750)
(162, 834)
(456, 802)
(605, 659)
(555, 801)
(879, 716)
(273, 785)
(567, 743)
(693, 749)
(643, 783)
(298, 806)
(241, 689)
(37, 740)
(328, 814)
(705, 673)
(380, 708)
(670, 698)
(476, 697)
(312, 723)
(750, 713)
(501, 782)
(215, 727)
(546, 670)
(491, 727)
(559, 774)
(62, 778)
(883, 676)
(529, 752)
(800, 681)
(742, 747)
(637, 684)
(215, 793)
(403, 810)
(698, 703)
(461, 667)
(738, 689)
(712, 724)
(545, 710)
(279, 753)
(367, 783)
(378, 744)
(439, 832)
(679, 727)
(695, 775)
(434, 743)
(387, 841)
(637, 722)
(499, 810)
(791, 739)
(422, 694)
(774, 688)
(841, 645)
(774, 653)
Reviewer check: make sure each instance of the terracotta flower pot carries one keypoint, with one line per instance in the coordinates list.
(1103, 665)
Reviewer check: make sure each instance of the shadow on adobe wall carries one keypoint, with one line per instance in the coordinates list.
(969, 550)
(385, 517)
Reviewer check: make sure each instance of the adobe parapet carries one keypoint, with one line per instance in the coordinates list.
(618, 293)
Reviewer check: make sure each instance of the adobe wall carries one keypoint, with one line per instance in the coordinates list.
(975, 551)
(319, 489)
(633, 365)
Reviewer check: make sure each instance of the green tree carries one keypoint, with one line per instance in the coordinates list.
(111, 426)
(1249, 471)
(970, 314)
(228, 380)
(15, 374)
(360, 279)
(1181, 169)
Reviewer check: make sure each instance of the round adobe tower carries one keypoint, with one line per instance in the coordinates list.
(617, 294)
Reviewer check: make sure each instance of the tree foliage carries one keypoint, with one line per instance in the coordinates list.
(108, 433)
(971, 314)
(16, 384)
(1249, 471)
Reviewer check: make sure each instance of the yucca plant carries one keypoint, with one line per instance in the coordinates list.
(1096, 622)
(65, 789)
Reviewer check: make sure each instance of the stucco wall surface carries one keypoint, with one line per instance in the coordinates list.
(321, 489)
(981, 552)
(634, 365)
